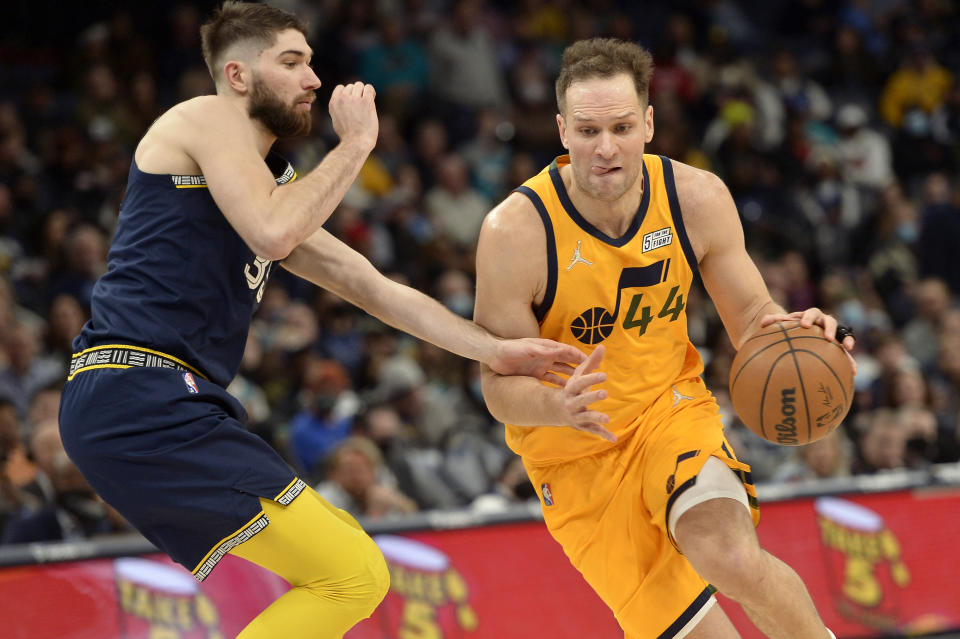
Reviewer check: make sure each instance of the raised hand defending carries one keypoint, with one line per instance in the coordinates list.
(354, 113)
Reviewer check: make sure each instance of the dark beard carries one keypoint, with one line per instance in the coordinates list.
(280, 119)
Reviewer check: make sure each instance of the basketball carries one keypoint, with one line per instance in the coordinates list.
(790, 385)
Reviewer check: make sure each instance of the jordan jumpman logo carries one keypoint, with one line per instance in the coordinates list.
(577, 258)
(677, 396)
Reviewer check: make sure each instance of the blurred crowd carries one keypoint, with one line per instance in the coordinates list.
(835, 124)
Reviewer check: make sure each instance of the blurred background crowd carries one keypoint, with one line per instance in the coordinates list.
(835, 124)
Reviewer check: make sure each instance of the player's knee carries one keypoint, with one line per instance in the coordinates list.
(727, 556)
(369, 585)
(379, 581)
(363, 586)
(733, 571)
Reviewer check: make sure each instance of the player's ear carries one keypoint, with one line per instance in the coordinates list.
(562, 127)
(648, 117)
(237, 75)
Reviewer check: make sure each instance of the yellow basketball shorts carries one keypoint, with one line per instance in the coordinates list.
(610, 511)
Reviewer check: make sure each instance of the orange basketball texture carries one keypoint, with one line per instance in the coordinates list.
(790, 385)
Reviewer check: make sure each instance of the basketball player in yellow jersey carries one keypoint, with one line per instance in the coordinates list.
(599, 251)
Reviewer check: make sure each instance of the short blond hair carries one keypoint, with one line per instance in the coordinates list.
(604, 58)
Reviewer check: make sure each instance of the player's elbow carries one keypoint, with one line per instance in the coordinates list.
(273, 246)
(490, 388)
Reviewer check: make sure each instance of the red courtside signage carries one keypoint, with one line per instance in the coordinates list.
(875, 564)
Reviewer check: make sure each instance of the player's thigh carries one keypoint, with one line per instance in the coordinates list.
(674, 457)
(310, 540)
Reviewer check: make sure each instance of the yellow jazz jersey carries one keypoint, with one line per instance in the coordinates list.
(627, 293)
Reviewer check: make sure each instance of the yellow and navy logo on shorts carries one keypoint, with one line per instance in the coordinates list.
(547, 494)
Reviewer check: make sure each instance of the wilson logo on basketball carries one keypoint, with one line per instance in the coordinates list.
(787, 426)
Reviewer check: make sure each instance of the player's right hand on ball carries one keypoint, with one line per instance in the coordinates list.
(354, 113)
(578, 395)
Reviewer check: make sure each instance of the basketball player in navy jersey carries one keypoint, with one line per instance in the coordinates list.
(207, 214)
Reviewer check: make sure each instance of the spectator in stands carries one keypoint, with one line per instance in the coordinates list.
(76, 513)
(488, 154)
(66, 318)
(398, 68)
(28, 369)
(327, 415)
(915, 90)
(58, 503)
(921, 434)
(883, 444)
(510, 488)
(465, 75)
(908, 388)
(931, 299)
(939, 233)
(534, 107)
(357, 482)
(45, 403)
(911, 97)
(86, 260)
(852, 72)
(865, 156)
(16, 471)
(454, 207)
(430, 145)
(797, 90)
(823, 459)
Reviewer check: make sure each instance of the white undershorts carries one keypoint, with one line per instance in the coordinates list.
(714, 480)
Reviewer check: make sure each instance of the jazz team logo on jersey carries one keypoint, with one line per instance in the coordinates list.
(547, 494)
(656, 239)
(596, 323)
(191, 383)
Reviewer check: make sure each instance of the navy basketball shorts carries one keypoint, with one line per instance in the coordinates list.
(169, 451)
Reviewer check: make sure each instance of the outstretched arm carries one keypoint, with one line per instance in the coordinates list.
(328, 262)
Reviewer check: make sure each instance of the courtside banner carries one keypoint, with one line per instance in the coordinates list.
(876, 564)
(881, 564)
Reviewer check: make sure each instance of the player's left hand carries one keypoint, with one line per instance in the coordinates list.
(535, 357)
(813, 316)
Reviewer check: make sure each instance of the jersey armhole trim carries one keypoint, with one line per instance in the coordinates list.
(670, 185)
(541, 309)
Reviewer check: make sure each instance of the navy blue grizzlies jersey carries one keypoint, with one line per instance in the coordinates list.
(145, 415)
(179, 279)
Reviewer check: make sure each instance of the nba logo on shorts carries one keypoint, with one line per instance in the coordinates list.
(547, 494)
(191, 383)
